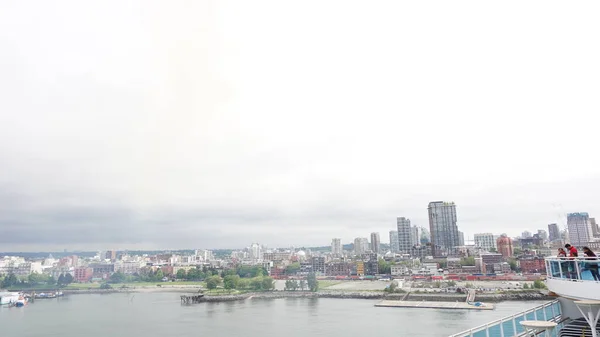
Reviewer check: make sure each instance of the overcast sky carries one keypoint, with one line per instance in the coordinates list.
(214, 124)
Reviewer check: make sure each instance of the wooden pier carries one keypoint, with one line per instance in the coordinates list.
(433, 305)
(191, 299)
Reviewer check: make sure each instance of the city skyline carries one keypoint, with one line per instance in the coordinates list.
(139, 140)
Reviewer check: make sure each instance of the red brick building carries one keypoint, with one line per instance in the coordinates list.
(83, 274)
(505, 246)
(532, 265)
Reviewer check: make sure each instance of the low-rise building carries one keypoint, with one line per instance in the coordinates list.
(337, 268)
(83, 274)
(532, 265)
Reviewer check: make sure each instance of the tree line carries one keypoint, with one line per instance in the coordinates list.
(310, 283)
(35, 280)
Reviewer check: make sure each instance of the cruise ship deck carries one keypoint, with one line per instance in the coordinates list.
(574, 313)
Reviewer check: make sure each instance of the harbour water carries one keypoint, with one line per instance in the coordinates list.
(161, 314)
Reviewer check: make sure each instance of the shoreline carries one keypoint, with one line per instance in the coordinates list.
(368, 295)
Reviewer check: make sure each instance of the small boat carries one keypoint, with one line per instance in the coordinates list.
(21, 302)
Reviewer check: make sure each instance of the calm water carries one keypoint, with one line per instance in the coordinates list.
(161, 314)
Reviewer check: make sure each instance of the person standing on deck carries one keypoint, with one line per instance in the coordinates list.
(572, 254)
(592, 266)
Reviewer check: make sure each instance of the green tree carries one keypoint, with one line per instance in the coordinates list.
(437, 284)
(231, 282)
(105, 286)
(303, 285)
(467, 261)
(61, 280)
(313, 284)
(10, 281)
(256, 284)
(539, 284)
(451, 283)
(292, 269)
(392, 287)
(51, 281)
(68, 278)
(290, 285)
(268, 283)
(525, 286)
(513, 264)
(213, 281)
(243, 283)
(35, 278)
(159, 275)
(181, 274)
(117, 277)
(193, 274)
(384, 266)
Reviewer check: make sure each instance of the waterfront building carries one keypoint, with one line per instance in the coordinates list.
(580, 230)
(83, 274)
(404, 235)
(532, 264)
(443, 228)
(375, 243)
(336, 247)
(505, 246)
(553, 232)
(485, 241)
(394, 244)
(337, 268)
(318, 264)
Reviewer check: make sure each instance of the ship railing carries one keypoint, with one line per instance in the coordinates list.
(510, 326)
(572, 268)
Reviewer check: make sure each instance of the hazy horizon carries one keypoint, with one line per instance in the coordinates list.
(215, 124)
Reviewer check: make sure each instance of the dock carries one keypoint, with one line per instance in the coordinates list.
(433, 305)
(191, 299)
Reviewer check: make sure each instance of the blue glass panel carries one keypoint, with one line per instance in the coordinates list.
(508, 328)
(530, 316)
(495, 331)
(518, 325)
(479, 334)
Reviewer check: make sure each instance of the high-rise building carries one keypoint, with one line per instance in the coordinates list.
(444, 231)
(542, 234)
(526, 234)
(425, 236)
(461, 238)
(336, 247)
(415, 238)
(553, 232)
(394, 244)
(404, 235)
(375, 243)
(580, 230)
(505, 247)
(361, 245)
(595, 228)
(485, 241)
(111, 255)
(256, 252)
